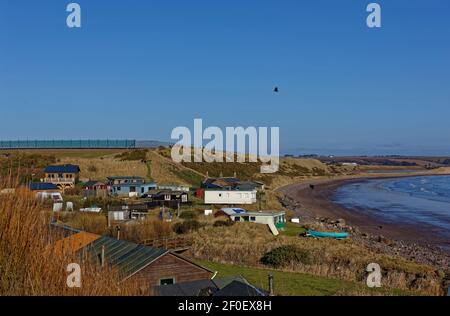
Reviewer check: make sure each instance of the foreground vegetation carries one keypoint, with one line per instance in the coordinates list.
(322, 267)
(30, 264)
(246, 244)
(298, 284)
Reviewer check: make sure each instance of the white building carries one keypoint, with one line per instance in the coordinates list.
(230, 197)
(276, 220)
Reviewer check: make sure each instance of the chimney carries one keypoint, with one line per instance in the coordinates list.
(271, 291)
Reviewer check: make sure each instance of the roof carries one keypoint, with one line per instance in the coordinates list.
(37, 186)
(195, 288)
(128, 257)
(219, 182)
(229, 189)
(173, 185)
(62, 169)
(75, 242)
(233, 211)
(224, 179)
(263, 213)
(165, 191)
(238, 288)
(230, 182)
(134, 184)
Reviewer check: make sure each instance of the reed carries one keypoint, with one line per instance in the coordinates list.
(30, 265)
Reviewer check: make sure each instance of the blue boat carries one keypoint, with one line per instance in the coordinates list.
(316, 234)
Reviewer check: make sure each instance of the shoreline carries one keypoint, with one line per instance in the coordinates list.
(411, 241)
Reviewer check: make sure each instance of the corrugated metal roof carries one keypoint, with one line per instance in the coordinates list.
(128, 257)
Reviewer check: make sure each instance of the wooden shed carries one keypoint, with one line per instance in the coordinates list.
(148, 266)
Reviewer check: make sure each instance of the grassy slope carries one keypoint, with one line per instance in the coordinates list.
(244, 244)
(297, 284)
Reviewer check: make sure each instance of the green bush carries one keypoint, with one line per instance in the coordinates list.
(285, 255)
(188, 215)
(186, 227)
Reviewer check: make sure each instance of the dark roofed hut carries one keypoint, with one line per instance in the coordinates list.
(148, 266)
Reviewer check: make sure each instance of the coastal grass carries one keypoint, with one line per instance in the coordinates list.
(297, 284)
(30, 262)
(244, 244)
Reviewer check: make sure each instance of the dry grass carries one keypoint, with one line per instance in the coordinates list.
(31, 266)
(164, 170)
(100, 168)
(134, 231)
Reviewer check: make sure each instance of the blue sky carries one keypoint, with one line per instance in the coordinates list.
(137, 69)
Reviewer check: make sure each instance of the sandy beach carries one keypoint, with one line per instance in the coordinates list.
(315, 204)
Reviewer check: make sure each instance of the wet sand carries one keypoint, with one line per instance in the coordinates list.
(317, 203)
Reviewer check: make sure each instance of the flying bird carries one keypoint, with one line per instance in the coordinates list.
(275, 89)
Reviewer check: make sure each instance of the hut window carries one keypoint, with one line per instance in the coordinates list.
(167, 281)
(253, 218)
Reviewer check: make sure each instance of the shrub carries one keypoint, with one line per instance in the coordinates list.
(92, 168)
(92, 223)
(147, 229)
(188, 215)
(186, 227)
(73, 191)
(285, 255)
(223, 223)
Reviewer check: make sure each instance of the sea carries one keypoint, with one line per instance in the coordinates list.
(422, 202)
